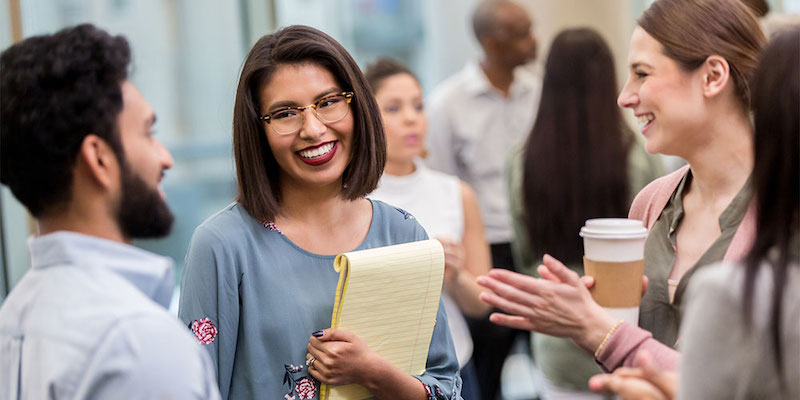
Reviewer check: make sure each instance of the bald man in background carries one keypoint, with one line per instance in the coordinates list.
(476, 117)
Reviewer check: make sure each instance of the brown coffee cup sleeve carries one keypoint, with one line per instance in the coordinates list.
(616, 284)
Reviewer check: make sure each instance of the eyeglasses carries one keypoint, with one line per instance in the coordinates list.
(329, 109)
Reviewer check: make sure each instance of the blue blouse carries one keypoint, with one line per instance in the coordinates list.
(254, 298)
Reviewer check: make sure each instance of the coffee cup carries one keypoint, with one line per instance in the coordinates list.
(613, 250)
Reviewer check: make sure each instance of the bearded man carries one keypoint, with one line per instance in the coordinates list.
(88, 320)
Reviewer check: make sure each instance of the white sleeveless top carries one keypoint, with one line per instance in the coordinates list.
(434, 199)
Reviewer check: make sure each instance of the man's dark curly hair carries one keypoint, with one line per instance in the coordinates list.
(57, 89)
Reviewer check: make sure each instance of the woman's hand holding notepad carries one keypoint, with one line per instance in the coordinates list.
(388, 297)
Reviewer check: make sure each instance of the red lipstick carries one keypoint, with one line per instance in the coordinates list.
(321, 159)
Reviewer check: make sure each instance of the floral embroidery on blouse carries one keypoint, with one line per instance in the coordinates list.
(435, 393)
(406, 214)
(204, 330)
(271, 226)
(428, 391)
(303, 386)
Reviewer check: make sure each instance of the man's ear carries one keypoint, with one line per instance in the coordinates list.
(99, 159)
(489, 44)
(716, 74)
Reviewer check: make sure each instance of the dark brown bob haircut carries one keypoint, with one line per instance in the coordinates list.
(692, 30)
(257, 172)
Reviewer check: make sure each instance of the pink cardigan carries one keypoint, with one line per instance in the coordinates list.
(628, 340)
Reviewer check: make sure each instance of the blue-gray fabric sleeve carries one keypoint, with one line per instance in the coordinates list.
(210, 289)
(441, 378)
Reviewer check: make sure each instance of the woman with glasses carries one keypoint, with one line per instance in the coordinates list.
(259, 283)
(444, 205)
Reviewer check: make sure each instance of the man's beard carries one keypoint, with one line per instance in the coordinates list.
(142, 213)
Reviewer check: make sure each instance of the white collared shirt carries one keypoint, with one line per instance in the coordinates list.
(88, 321)
(472, 128)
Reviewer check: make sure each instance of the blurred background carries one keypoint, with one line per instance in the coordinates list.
(187, 56)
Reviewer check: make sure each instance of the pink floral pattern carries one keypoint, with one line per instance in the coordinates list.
(302, 385)
(435, 393)
(204, 330)
(428, 391)
(306, 388)
(271, 226)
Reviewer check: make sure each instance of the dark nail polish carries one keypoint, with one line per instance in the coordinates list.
(318, 334)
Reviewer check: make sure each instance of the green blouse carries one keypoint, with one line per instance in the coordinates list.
(657, 313)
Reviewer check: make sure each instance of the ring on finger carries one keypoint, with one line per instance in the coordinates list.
(310, 362)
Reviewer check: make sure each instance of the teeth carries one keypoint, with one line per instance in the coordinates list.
(317, 152)
(645, 119)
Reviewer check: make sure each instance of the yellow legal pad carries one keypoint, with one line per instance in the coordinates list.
(389, 297)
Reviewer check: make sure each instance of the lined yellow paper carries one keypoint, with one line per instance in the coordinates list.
(389, 297)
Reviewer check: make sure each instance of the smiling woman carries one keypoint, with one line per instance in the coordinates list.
(690, 65)
(309, 145)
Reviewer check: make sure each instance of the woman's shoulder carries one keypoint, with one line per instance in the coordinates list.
(388, 214)
(724, 282)
(665, 185)
(230, 223)
(719, 288)
(650, 201)
(394, 224)
(439, 179)
(717, 281)
(718, 338)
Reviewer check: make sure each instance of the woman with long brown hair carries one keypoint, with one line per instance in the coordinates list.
(740, 330)
(259, 284)
(581, 137)
(690, 64)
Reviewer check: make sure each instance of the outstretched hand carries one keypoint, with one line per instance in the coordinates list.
(643, 382)
(558, 304)
(588, 281)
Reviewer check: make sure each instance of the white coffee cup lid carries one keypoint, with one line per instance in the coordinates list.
(613, 228)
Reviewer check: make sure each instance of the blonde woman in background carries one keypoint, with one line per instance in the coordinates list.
(444, 205)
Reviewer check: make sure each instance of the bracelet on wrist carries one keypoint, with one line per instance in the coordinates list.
(607, 337)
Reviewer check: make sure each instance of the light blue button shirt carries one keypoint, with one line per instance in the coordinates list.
(88, 321)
